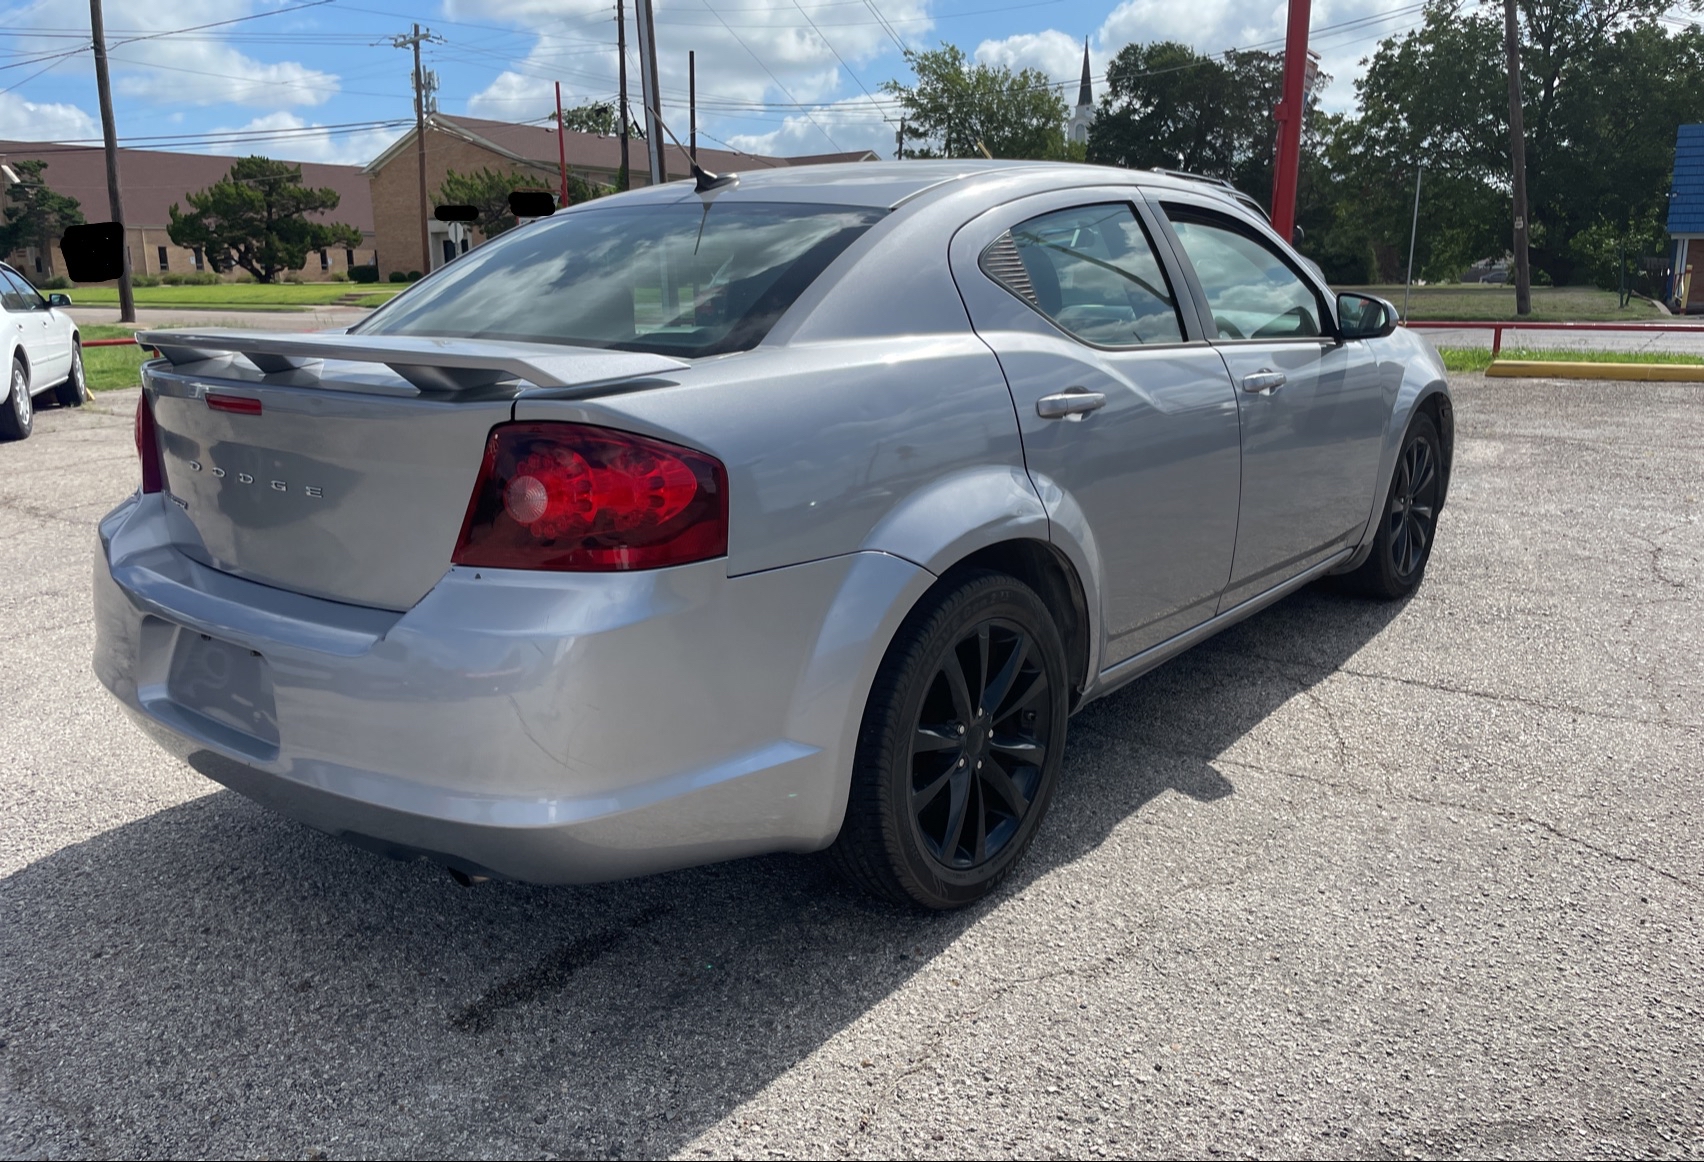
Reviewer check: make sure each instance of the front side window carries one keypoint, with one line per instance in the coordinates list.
(16, 294)
(1252, 293)
(688, 279)
(1091, 270)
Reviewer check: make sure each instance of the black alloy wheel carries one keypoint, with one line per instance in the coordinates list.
(1412, 515)
(960, 747)
(980, 744)
(1408, 525)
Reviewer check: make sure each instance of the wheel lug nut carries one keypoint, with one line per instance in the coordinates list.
(961, 728)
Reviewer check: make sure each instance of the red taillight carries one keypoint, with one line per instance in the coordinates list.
(572, 497)
(148, 446)
(242, 405)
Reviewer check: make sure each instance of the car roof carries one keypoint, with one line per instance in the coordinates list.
(888, 184)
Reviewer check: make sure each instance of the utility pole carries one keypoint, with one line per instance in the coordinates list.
(899, 142)
(420, 35)
(1413, 234)
(645, 24)
(692, 102)
(1517, 158)
(97, 27)
(621, 57)
(561, 144)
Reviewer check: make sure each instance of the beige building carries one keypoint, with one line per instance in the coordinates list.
(467, 145)
(151, 180)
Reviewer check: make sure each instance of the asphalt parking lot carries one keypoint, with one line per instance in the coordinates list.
(1350, 880)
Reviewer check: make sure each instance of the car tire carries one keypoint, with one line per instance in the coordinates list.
(1408, 521)
(74, 392)
(947, 791)
(17, 416)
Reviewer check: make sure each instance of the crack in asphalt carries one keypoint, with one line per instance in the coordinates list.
(1457, 805)
(1449, 688)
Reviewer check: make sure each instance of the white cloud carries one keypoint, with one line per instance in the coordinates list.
(199, 69)
(1209, 26)
(853, 123)
(28, 121)
(311, 142)
(757, 64)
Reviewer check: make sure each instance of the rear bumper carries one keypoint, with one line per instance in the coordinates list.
(545, 727)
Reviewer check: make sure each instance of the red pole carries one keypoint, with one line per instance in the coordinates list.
(1287, 165)
(561, 144)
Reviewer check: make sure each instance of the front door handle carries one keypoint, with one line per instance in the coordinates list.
(1264, 381)
(1070, 404)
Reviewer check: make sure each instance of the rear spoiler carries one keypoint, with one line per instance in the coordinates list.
(429, 364)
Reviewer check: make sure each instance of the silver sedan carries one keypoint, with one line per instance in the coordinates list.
(795, 513)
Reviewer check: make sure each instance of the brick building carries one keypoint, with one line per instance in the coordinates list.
(151, 180)
(468, 144)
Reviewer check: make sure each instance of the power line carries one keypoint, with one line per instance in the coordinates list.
(770, 71)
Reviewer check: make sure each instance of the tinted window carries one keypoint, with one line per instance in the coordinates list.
(1092, 270)
(686, 279)
(1252, 292)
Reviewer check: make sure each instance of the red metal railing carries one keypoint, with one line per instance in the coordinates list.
(131, 342)
(1497, 329)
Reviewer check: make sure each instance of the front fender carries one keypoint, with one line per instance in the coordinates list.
(1407, 358)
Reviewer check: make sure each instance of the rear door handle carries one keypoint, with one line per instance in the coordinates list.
(1263, 382)
(1071, 403)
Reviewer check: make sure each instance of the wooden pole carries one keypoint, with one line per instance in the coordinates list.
(561, 144)
(692, 102)
(420, 154)
(109, 130)
(1517, 158)
(621, 57)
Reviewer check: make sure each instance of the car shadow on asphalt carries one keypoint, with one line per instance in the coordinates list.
(215, 981)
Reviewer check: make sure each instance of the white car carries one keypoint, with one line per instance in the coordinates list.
(43, 353)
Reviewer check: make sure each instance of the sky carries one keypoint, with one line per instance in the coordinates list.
(323, 80)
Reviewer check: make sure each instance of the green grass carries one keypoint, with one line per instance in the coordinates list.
(1479, 358)
(242, 296)
(1470, 302)
(110, 368)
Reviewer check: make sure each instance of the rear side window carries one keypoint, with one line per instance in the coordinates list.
(1092, 270)
(1252, 293)
(15, 293)
(688, 279)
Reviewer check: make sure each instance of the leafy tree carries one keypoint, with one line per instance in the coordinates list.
(488, 190)
(256, 217)
(1168, 106)
(34, 214)
(596, 118)
(956, 109)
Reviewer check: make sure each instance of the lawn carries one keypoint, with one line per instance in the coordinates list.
(108, 368)
(1479, 358)
(1470, 302)
(244, 296)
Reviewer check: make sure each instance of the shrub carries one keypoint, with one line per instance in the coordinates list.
(398, 276)
(368, 273)
(57, 282)
(337, 276)
(202, 278)
(414, 276)
(144, 280)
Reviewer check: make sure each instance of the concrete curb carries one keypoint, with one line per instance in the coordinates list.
(1562, 369)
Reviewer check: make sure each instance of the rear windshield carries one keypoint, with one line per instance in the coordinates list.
(688, 279)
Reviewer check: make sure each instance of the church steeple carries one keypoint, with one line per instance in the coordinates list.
(1077, 128)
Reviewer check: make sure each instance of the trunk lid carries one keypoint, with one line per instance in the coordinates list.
(329, 476)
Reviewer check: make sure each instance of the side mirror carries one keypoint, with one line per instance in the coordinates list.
(58, 300)
(1364, 316)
